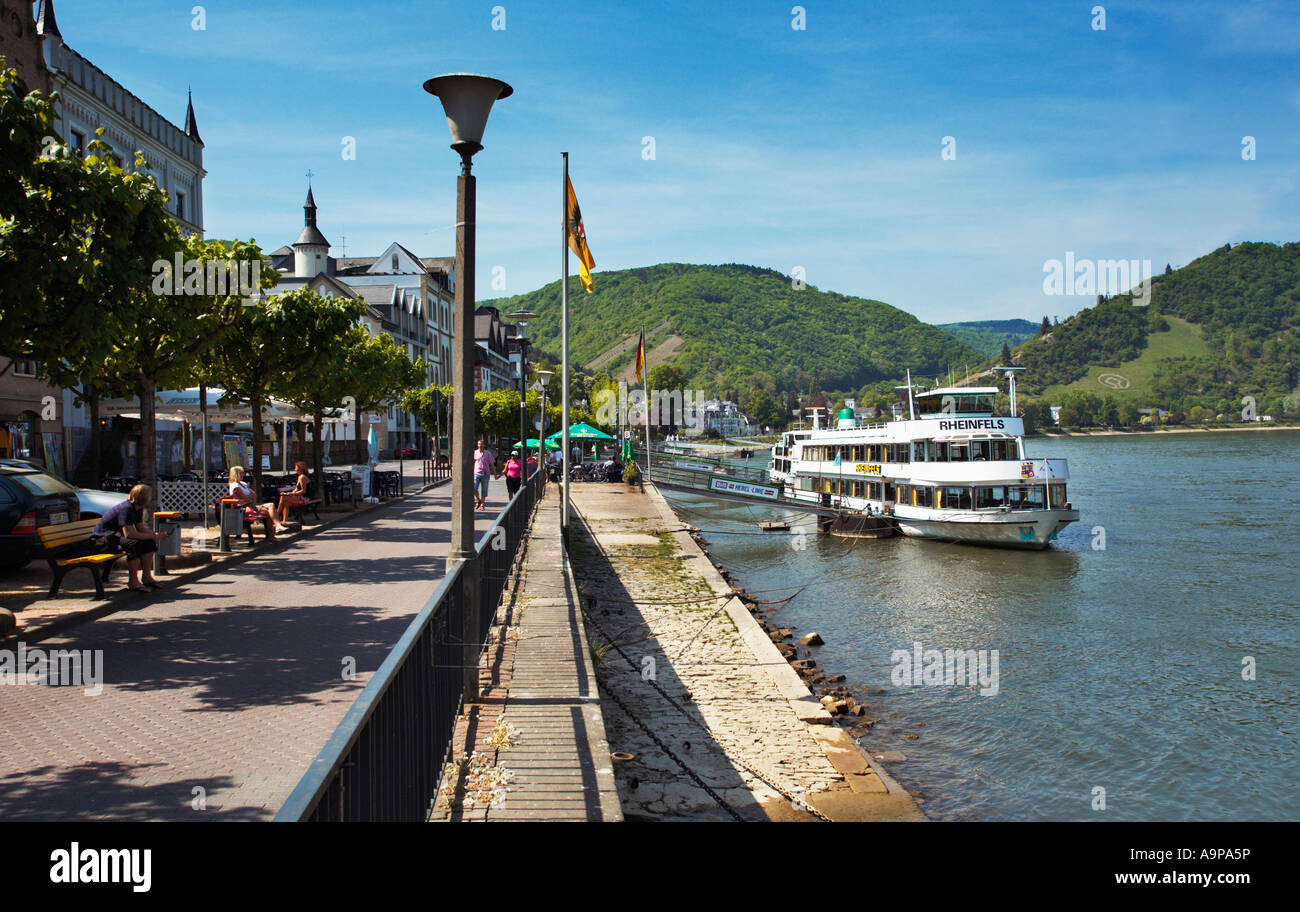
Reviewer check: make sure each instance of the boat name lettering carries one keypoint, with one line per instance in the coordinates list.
(867, 468)
(972, 424)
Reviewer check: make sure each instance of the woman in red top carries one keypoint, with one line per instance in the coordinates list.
(514, 473)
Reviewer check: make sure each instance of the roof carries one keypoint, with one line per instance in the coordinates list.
(46, 25)
(311, 235)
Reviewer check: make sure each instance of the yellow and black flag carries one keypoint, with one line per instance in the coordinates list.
(578, 240)
(640, 359)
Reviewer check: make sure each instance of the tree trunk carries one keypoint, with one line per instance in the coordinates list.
(96, 440)
(148, 437)
(359, 448)
(318, 465)
(259, 439)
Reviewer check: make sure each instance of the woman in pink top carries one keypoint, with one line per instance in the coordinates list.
(514, 473)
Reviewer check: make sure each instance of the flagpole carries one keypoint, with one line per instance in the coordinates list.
(645, 387)
(564, 346)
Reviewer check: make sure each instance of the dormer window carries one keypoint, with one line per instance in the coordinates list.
(394, 263)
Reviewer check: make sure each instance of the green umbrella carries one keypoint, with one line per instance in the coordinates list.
(582, 432)
(531, 443)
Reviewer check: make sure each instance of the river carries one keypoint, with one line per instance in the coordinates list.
(1124, 652)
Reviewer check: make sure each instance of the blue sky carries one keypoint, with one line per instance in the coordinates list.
(818, 148)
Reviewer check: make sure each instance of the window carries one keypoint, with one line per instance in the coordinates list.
(24, 368)
(394, 263)
(180, 205)
(79, 144)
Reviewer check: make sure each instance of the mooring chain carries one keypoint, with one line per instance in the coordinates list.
(795, 800)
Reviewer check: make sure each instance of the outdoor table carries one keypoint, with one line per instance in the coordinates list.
(168, 521)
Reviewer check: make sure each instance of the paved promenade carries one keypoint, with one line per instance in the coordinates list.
(717, 723)
(534, 747)
(218, 693)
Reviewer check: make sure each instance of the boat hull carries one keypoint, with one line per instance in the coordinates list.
(1031, 529)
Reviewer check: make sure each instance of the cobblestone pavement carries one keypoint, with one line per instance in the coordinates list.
(739, 733)
(217, 694)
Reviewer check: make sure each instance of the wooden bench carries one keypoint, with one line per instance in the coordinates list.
(300, 509)
(65, 545)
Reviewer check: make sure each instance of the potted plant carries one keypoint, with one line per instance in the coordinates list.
(632, 475)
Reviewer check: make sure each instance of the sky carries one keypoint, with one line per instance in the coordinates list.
(821, 147)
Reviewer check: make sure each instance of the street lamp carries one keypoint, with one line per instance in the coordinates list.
(522, 317)
(544, 378)
(467, 100)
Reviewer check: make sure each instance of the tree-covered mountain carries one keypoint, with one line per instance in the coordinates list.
(737, 328)
(1244, 305)
(988, 336)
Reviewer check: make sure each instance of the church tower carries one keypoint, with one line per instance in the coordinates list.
(311, 250)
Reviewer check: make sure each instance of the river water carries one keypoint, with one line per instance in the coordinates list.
(1121, 651)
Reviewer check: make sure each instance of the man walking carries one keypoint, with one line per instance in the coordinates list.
(484, 468)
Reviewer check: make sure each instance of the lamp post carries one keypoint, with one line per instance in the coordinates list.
(522, 317)
(544, 378)
(467, 100)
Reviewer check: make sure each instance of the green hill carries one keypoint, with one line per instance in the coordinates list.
(987, 336)
(1224, 326)
(737, 327)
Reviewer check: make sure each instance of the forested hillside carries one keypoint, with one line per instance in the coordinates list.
(741, 327)
(1245, 303)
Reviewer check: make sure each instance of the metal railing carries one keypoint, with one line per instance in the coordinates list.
(384, 760)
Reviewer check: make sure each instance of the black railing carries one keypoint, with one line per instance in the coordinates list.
(384, 760)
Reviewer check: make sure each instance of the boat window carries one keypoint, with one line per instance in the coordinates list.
(957, 452)
(1058, 496)
(957, 498)
(941, 452)
(923, 497)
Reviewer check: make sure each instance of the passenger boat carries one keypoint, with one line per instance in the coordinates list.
(950, 470)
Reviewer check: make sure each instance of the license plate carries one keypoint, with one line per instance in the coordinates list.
(56, 518)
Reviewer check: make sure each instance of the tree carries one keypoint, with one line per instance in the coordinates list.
(381, 372)
(168, 326)
(78, 241)
(1006, 353)
(317, 377)
(241, 361)
(1045, 328)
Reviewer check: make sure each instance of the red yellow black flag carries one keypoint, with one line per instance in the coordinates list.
(578, 240)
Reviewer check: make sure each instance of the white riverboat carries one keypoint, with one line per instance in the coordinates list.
(951, 470)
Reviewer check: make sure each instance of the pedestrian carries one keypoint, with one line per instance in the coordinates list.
(299, 495)
(265, 512)
(485, 466)
(514, 471)
(122, 528)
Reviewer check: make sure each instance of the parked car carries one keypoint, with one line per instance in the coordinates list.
(409, 452)
(95, 504)
(30, 499)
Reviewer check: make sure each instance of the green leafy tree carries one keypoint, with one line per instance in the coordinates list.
(381, 373)
(318, 378)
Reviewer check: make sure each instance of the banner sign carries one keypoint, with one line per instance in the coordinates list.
(740, 487)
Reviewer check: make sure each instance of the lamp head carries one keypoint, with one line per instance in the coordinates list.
(467, 100)
(545, 377)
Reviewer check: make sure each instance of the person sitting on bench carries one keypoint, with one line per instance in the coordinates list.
(265, 512)
(298, 496)
(122, 529)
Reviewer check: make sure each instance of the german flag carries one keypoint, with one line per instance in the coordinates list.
(640, 359)
(578, 240)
